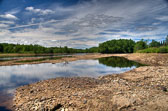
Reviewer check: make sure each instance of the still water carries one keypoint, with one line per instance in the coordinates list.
(12, 77)
(8, 58)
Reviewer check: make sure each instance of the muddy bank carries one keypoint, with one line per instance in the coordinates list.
(150, 59)
(142, 89)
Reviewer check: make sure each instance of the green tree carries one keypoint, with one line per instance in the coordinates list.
(117, 46)
(1, 48)
(140, 45)
(154, 44)
(167, 40)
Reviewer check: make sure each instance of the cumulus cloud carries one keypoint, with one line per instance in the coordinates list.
(39, 11)
(9, 16)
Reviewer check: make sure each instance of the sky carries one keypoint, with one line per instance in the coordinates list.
(81, 23)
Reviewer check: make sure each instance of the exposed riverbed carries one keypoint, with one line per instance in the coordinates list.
(14, 76)
(143, 88)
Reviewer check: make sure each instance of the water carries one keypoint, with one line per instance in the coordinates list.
(12, 77)
(9, 58)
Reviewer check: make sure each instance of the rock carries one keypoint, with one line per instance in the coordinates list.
(68, 86)
(122, 101)
(75, 94)
(85, 101)
(62, 109)
(31, 91)
(163, 88)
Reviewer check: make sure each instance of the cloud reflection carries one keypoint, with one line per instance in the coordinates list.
(15, 76)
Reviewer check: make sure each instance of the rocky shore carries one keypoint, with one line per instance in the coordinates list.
(142, 89)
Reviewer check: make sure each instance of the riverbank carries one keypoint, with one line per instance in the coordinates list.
(144, 88)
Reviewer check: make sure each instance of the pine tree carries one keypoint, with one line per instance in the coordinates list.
(167, 40)
(161, 43)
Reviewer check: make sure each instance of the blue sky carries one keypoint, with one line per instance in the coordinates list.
(81, 23)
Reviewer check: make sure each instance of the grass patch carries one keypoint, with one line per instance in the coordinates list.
(163, 49)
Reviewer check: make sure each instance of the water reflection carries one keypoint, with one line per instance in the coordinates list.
(118, 62)
(8, 58)
(12, 77)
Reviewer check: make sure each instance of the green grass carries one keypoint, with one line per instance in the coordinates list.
(163, 49)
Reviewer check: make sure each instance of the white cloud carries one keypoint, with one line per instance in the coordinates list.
(9, 16)
(13, 11)
(29, 8)
(7, 22)
(3, 25)
(80, 25)
(162, 18)
(40, 11)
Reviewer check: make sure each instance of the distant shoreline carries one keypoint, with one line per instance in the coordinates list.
(55, 59)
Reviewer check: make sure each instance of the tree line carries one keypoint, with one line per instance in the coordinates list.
(37, 49)
(130, 46)
(112, 46)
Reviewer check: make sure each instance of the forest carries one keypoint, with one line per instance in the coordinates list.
(112, 46)
(130, 46)
(37, 49)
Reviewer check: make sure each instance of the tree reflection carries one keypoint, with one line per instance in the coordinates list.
(118, 62)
